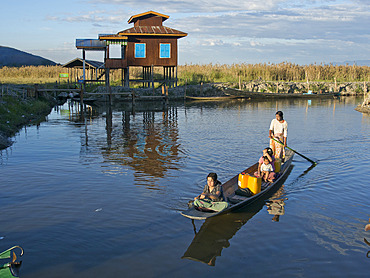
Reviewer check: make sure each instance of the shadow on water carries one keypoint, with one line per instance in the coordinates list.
(215, 233)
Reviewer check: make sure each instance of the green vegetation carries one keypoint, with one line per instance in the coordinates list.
(195, 74)
(15, 113)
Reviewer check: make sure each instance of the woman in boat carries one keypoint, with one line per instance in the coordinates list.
(278, 131)
(269, 154)
(212, 197)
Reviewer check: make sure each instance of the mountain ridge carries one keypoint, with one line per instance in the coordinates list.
(11, 57)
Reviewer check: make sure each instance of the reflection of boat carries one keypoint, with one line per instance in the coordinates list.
(9, 265)
(215, 233)
(235, 198)
(211, 98)
(363, 108)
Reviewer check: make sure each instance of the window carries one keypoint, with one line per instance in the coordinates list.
(164, 50)
(140, 50)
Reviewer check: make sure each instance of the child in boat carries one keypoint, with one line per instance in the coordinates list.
(266, 169)
(212, 197)
(267, 152)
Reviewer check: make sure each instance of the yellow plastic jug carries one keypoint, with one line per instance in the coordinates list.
(254, 184)
(277, 165)
(243, 180)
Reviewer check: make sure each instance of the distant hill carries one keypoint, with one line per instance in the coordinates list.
(12, 57)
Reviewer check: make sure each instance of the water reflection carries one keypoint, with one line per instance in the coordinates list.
(275, 205)
(215, 233)
(149, 148)
(143, 137)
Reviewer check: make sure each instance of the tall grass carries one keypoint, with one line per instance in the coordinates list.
(273, 72)
(196, 73)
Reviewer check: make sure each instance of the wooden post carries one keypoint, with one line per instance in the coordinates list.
(277, 88)
(166, 98)
(122, 77)
(133, 98)
(240, 84)
(176, 76)
(335, 84)
(365, 91)
(152, 78)
(201, 87)
(110, 95)
(186, 82)
(81, 97)
(36, 91)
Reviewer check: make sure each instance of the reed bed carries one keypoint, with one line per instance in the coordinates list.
(196, 73)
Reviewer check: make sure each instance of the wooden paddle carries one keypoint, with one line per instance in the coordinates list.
(313, 162)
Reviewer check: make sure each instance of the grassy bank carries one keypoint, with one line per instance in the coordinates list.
(194, 73)
(16, 113)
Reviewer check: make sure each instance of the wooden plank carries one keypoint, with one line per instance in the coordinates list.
(58, 90)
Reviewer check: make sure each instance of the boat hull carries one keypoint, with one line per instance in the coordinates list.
(231, 186)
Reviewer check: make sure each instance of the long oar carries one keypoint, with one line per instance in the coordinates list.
(313, 162)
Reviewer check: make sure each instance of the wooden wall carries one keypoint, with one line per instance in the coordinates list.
(152, 51)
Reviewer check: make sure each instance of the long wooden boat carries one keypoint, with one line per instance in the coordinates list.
(254, 95)
(211, 98)
(235, 200)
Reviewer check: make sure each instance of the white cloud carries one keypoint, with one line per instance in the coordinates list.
(280, 30)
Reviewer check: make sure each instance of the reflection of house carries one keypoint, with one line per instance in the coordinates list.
(147, 44)
(144, 141)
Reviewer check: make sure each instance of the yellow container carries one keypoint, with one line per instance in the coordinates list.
(254, 184)
(277, 165)
(243, 180)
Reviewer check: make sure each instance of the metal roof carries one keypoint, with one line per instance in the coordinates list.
(78, 63)
(92, 44)
(152, 31)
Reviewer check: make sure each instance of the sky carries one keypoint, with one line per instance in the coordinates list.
(219, 31)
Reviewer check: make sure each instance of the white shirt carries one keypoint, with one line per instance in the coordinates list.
(266, 167)
(278, 127)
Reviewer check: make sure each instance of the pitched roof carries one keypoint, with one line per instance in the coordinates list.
(135, 17)
(152, 31)
(78, 63)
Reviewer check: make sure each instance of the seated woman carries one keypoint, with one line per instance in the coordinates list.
(269, 154)
(212, 197)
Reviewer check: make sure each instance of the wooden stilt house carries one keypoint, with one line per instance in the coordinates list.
(147, 44)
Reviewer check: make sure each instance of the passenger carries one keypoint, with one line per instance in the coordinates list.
(269, 154)
(212, 197)
(266, 169)
(279, 131)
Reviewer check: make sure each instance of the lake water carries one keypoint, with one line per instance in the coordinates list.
(101, 196)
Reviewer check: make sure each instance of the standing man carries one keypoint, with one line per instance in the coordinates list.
(278, 131)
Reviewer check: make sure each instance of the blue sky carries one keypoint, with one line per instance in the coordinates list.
(219, 31)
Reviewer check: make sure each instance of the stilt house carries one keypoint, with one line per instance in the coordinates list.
(147, 44)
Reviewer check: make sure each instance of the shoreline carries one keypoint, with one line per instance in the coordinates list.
(213, 90)
(16, 113)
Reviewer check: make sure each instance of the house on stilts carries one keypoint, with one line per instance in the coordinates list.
(148, 45)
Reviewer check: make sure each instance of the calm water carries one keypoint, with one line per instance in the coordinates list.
(101, 196)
